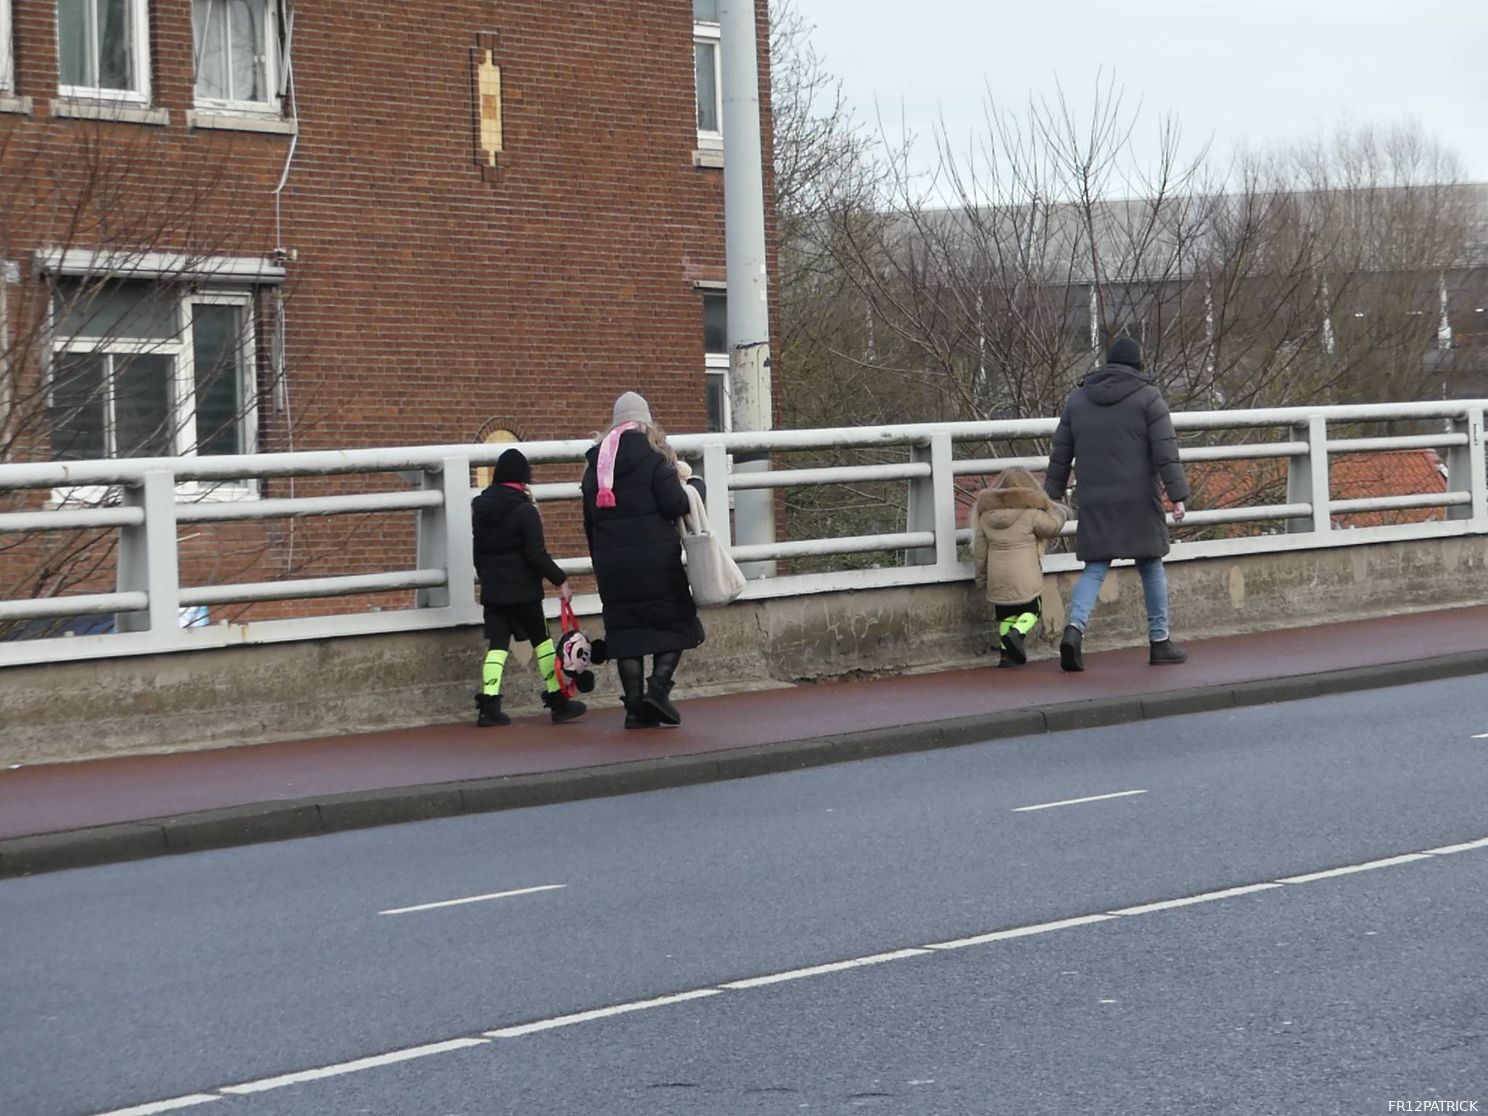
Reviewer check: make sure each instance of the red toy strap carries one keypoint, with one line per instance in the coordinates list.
(566, 618)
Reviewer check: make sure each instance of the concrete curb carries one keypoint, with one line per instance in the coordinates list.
(274, 821)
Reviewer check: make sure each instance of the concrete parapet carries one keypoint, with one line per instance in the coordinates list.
(253, 694)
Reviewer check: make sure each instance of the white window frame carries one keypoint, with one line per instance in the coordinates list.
(7, 54)
(182, 395)
(709, 36)
(273, 69)
(139, 16)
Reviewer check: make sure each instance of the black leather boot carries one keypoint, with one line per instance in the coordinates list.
(562, 708)
(1164, 652)
(657, 698)
(632, 673)
(489, 711)
(1071, 649)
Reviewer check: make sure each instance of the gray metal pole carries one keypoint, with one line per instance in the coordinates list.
(748, 327)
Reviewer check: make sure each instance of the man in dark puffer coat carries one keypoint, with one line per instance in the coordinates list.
(643, 587)
(1116, 427)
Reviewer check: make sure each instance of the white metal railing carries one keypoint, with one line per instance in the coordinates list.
(157, 495)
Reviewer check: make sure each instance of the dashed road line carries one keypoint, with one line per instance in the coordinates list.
(1077, 801)
(172, 1105)
(600, 1013)
(407, 1054)
(472, 899)
(537, 1026)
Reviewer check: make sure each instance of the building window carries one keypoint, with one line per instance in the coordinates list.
(706, 38)
(142, 369)
(104, 49)
(7, 57)
(716, 361)
(237, 59)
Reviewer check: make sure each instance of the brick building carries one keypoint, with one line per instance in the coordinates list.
(240, 225)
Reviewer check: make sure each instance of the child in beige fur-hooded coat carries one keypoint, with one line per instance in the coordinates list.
(1010, 522)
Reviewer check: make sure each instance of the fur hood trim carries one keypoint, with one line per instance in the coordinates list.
(995, 499)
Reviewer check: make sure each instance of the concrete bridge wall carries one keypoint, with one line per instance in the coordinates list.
(253, 694)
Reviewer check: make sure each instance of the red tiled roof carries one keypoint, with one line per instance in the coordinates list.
(1352, 476)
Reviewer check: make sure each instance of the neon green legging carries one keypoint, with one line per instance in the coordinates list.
(495, 665)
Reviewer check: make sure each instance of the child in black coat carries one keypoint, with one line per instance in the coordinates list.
(511, 560)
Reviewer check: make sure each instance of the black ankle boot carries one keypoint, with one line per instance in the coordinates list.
(1071, 649)
(637, 716)
(1164, 652)
(489, 711)
(1013, 647)
(659, 704)
(562, 708)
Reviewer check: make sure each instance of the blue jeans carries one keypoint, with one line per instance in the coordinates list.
(1154, 591)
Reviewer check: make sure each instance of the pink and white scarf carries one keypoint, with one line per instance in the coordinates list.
(605, 498)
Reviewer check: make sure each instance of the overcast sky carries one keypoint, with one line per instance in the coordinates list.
(1235, 71)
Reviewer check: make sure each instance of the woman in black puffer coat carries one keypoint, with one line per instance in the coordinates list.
(633, 498)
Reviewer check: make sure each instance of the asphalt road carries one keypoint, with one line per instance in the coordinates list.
(168, 978)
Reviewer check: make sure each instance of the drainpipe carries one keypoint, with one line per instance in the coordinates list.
(748, 327)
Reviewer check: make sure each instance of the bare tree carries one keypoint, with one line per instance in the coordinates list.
(118, 338)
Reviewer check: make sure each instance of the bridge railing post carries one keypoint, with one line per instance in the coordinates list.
(148, 561)
(932, 504)
(444, 539)
(1307, 479)
(716, 480)
(1467, 471)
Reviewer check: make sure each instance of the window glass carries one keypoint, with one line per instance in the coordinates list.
(115, 44)
(705, 11)
(74, 26)
(715, 323)
(217, 351)
(232, 49)
(77, 408)
(707, 86)
(6, 80)
(142, 411)
(717, 414)
(135, 310)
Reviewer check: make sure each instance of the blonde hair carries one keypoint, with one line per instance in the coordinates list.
(1017, 477)
(655, 436)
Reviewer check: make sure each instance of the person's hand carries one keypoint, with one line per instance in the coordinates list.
(1179, 511)
(565, 591)
(684, 470)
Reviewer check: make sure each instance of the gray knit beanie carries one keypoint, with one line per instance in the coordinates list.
(631, 407)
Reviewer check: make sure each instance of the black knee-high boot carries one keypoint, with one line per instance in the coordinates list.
(632, 679)
(663, 666)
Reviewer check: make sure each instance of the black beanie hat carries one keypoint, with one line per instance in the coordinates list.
(512, 468)
(1125, 351)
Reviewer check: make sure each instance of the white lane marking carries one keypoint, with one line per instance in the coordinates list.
(1480, 736)
(1190, 900)
(1077, 801)
(1350, 869)
(818, 970)
(472, 899)
(1465, 847)
(393, 1056)
(163, 1106)
(1021, 932)
(599, 1013)
(699, 993)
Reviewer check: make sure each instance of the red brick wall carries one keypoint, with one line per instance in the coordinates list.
(428, 298)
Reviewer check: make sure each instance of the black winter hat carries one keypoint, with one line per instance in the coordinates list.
(512, 468)
(1125, 351)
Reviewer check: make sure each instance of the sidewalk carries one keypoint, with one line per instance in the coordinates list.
(98, 811)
